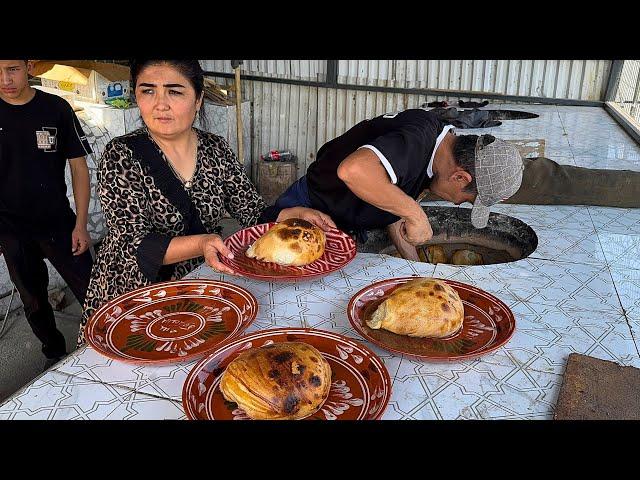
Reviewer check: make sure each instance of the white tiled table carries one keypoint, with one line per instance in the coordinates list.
(559, 307)
(578, 292)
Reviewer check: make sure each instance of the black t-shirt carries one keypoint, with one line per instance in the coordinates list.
(36, 139)
(404, 140)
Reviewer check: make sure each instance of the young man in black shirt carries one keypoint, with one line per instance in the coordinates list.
(39, 132)
(371, 176)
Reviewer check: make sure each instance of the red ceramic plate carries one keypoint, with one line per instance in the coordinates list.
(488, 323)
(339, 250)
(171, 322)
(360, 383)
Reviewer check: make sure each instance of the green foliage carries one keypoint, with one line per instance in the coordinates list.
(119, 103)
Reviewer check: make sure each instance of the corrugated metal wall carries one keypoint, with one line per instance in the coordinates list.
(574, 79)
(302, 118)
(314, 70)
(571, 79)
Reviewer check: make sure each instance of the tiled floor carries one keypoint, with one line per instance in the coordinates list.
(588, 258)
(579, 291)
(61, 397)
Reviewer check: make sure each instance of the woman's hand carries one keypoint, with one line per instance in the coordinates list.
(212, 246)
(319, 219)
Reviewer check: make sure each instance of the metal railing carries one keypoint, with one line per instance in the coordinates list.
(623, 95)
(627, 94)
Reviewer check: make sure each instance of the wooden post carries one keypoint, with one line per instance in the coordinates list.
(239, 117)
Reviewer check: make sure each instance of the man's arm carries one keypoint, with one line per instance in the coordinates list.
(367, 178)
(80, 239)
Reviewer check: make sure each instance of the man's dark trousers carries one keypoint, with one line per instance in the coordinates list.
(545, 182)
(28, 272)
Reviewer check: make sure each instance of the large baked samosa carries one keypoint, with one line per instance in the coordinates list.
(424, 307)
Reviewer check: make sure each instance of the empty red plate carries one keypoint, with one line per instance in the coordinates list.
(171, 322)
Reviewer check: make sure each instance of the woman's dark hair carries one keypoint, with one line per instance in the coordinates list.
(191, 69)
(464, 153)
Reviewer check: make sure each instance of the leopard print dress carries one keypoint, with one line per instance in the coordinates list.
(134, 206)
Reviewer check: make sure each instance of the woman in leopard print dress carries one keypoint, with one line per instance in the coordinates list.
(164, 188)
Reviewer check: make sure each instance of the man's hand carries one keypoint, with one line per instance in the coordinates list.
(212, 246)
(319, 219)
(405, 249)
(80, 240)
(416, 229)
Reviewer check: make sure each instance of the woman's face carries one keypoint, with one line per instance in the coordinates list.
(167, 100)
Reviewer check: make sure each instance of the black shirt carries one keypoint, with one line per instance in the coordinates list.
(36, 139)
(405, 141)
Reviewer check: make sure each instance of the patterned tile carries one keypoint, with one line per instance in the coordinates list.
(471, 390)
(581, 109)
(519, 380)
(301, 309)
(564, 285)
(591, 128)
(267, 319)
(569, 245)
(634, 322)
(560, 308)
(488, 278)
(557, 146)
(163, 381)
(627, 284)
(56, 396)
(547, 130)
(586, 121)
(369, 268)
(620, 250)
(545, 336)
(556, 143)
(590, 161)
(555, 152)
(594, 120)
(618, 150)
(617, 143)
(336, 322)
(616, 220)
(549, 216)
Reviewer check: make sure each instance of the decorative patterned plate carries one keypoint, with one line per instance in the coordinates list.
(171, 322)
(488, 323)
(360, 383)
(339, 250)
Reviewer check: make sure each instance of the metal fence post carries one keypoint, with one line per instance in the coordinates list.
(614, 80)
